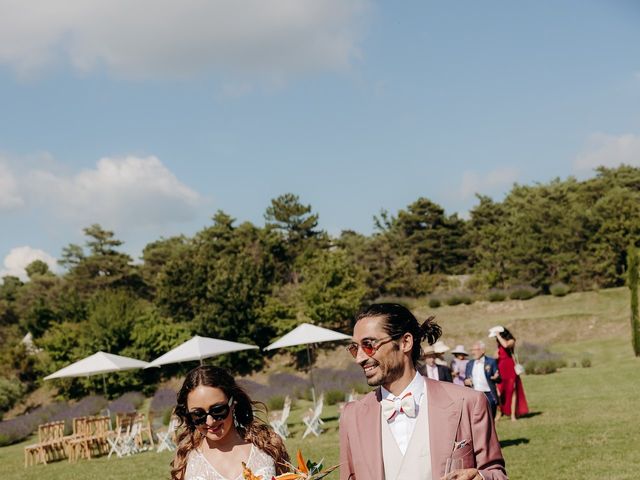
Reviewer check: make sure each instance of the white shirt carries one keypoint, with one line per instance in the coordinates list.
(401, 425)
(432, 372)
(478, 377)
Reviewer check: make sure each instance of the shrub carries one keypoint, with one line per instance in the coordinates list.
(163, 398)
(538, 360)
(585, 362)
(11, 391)
(434, 302)
(162, 405)
(559, 289)
(17, 429)
(304, 393)
(276, 403)
(543, 367)
(404, 301)
(476, 283)
(129, 402)
(496, 295)
(166, 416)
(334, 396)
(523, 293)
(458, 298)
(362, 388)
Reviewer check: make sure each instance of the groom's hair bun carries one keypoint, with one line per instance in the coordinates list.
(399, 320)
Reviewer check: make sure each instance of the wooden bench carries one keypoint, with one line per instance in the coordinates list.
(50, 446)
(90, 438)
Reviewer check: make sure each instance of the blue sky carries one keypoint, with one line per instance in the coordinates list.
(148, 120)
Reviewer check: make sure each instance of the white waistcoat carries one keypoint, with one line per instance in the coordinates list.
(416, 463)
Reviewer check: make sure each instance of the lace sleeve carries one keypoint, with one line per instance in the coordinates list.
(262, 464)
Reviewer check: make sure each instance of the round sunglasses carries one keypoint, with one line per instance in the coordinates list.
(217, 412)
(369, 346)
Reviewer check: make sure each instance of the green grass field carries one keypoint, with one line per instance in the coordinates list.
(582, 425)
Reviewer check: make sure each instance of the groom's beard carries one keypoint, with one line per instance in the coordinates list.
(385, 373)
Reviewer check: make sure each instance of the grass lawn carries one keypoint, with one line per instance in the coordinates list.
(582, 424)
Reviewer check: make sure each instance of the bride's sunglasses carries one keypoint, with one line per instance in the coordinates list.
(217, 412)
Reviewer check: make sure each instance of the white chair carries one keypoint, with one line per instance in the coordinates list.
(166, 438)
(130, 440)
(125, 441)
(115, 443)
(313, 420)
(280, 424)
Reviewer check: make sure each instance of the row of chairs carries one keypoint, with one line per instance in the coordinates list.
(91, 436)
(312, 419)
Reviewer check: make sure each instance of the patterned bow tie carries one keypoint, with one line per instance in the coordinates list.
(406, 405)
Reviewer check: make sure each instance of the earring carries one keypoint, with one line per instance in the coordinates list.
(236, 423)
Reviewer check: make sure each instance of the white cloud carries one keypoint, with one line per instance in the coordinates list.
(127, 192)
(150, 39)
(473, 182)
(9, 194)
(608, 151)
(20, 257)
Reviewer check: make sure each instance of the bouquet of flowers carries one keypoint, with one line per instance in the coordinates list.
(304, 471)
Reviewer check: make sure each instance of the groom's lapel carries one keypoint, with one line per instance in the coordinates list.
(444, 416)
(368, 423)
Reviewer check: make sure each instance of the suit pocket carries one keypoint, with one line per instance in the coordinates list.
(465, 453)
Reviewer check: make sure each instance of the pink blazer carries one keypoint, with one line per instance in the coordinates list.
(456, 413)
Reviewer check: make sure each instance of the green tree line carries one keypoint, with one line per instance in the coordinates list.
(252, 283)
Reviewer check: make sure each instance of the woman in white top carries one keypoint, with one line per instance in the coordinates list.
(220, 431)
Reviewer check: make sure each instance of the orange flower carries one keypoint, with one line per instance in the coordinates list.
(247, 474)
(302, 465)
(288, 476)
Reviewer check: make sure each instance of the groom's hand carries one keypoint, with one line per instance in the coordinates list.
(465, 474)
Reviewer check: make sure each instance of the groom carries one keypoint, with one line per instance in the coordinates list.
(410, 425)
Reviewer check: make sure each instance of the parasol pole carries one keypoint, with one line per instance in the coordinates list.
(313, 388)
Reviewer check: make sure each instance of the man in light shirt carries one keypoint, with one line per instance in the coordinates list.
(482, 374)
(411, 425)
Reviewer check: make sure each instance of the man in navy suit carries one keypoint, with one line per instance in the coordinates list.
(482, 374)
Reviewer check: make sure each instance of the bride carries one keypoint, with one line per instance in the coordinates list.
(220, 431)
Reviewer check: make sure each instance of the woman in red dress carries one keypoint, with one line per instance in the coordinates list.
(513, 401)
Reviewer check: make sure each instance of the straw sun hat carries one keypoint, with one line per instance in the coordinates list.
(459, 350)
(493, 331)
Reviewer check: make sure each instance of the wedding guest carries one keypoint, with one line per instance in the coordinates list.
(411, 425)
(483, 375)
(430, 369)
(459, 364)
(440, 348)
(513, 401)
(219, 430)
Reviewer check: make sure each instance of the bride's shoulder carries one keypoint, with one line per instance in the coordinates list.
(261, 458)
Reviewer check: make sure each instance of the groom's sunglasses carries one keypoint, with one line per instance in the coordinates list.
(217, 412)
(369, 346)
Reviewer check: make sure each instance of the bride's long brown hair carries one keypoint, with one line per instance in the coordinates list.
(251, 428)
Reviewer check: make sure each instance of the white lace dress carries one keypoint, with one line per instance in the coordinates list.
(199, 468)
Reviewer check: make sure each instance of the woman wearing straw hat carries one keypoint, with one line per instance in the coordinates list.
(459, 364)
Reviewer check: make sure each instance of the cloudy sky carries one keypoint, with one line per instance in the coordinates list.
(147, 117)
